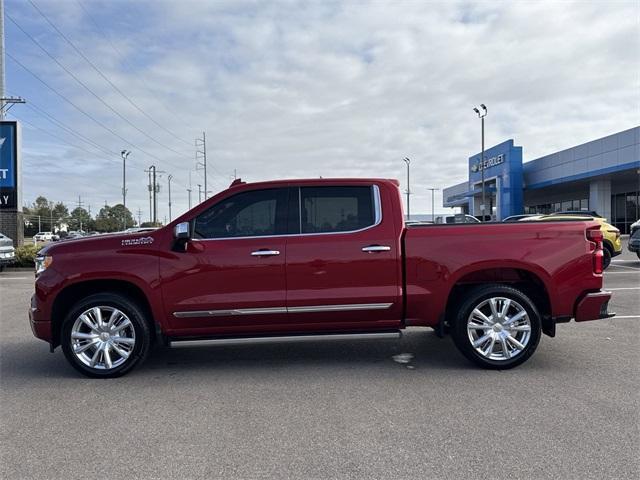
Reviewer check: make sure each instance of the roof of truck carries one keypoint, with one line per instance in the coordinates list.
(299, 181)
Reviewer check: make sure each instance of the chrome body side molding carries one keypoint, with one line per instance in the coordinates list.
(277, 310)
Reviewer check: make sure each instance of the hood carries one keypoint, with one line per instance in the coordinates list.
(107, 241)
(6, 242)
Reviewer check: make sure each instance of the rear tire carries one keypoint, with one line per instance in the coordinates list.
(105, 335)
(497, 327)
(606, 257)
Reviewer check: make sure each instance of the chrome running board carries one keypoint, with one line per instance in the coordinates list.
(203, 342)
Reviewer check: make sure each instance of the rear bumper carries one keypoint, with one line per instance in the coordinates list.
(593, 306)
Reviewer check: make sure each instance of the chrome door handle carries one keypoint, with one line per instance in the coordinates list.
(376, 248)
(265, 253)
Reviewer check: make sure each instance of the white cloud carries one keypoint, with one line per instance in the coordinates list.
(288, 89)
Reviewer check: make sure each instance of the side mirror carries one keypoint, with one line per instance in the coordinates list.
(181, 231)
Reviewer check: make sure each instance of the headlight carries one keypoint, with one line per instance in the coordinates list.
(42, 263)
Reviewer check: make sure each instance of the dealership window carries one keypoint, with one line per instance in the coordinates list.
(564, 206)
(625, 209)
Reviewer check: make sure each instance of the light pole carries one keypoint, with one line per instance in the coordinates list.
(481, 115)
(408, 162)
(199, 193)
(169, 178)
(124, 154)
(433, 216)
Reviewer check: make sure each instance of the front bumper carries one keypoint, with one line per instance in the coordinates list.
(41, 328)
(634, 245)
(593, 306)
(7, 259)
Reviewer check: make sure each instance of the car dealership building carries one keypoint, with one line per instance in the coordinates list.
(601, 175)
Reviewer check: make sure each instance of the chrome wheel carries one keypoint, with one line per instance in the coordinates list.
(102, 337)
(499, 328)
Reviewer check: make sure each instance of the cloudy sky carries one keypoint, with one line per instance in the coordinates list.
(290, 89)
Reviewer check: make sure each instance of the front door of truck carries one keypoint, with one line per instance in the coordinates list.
(343, 269)
(231, 278)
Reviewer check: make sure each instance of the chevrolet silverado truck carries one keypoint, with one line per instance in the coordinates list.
(314, 258)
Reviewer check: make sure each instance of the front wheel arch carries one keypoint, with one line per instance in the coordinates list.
(70, 295)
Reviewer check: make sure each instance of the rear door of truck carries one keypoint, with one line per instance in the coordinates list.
(342, 268)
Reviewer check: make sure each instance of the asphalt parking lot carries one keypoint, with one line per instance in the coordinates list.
(340, 409)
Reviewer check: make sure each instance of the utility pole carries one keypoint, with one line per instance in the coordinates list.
(189, 192)
(481, 116)
(201, 158)
(80, 203)
(199, 194)
(169, 182)
(408, 162)
(156, 189)
(124, 154)
(433, 216)
(4, 101)
(139, 216)
(151, 168)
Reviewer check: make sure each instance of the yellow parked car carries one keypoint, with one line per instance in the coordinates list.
(612, 243)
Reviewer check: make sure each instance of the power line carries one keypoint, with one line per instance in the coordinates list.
(83, 85)
(57, 137)
(68, 129)
(91, 117)
(130, 69)
(106, 79)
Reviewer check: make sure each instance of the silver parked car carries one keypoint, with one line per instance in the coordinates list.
(7, 252)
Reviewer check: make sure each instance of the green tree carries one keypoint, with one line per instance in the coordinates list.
(112, 219)
(47, 213)
(60, 214)
(81, 220)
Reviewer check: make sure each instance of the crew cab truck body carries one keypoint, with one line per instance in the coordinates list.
(314, 257)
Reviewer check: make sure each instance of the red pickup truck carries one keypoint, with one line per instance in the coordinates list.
(323, 257)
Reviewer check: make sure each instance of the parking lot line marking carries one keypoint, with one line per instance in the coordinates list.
(624, 266)
(623, 288)
(620, 273)
(16, 278)
(627, 316)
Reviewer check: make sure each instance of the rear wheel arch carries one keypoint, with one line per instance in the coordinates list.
(527, 281)
(72, 294)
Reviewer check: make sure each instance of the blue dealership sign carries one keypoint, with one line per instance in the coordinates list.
(7, 155)
(502, 165)
(8, 165)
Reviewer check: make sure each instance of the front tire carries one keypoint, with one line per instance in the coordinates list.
(105, 335)
(497, 327)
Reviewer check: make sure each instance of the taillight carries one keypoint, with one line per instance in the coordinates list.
(594, 234)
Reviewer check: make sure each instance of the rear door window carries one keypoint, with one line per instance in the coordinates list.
(336, 209)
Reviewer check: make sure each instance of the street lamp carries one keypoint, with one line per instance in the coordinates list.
(481, 115)
(408, 162)
(124, 154)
